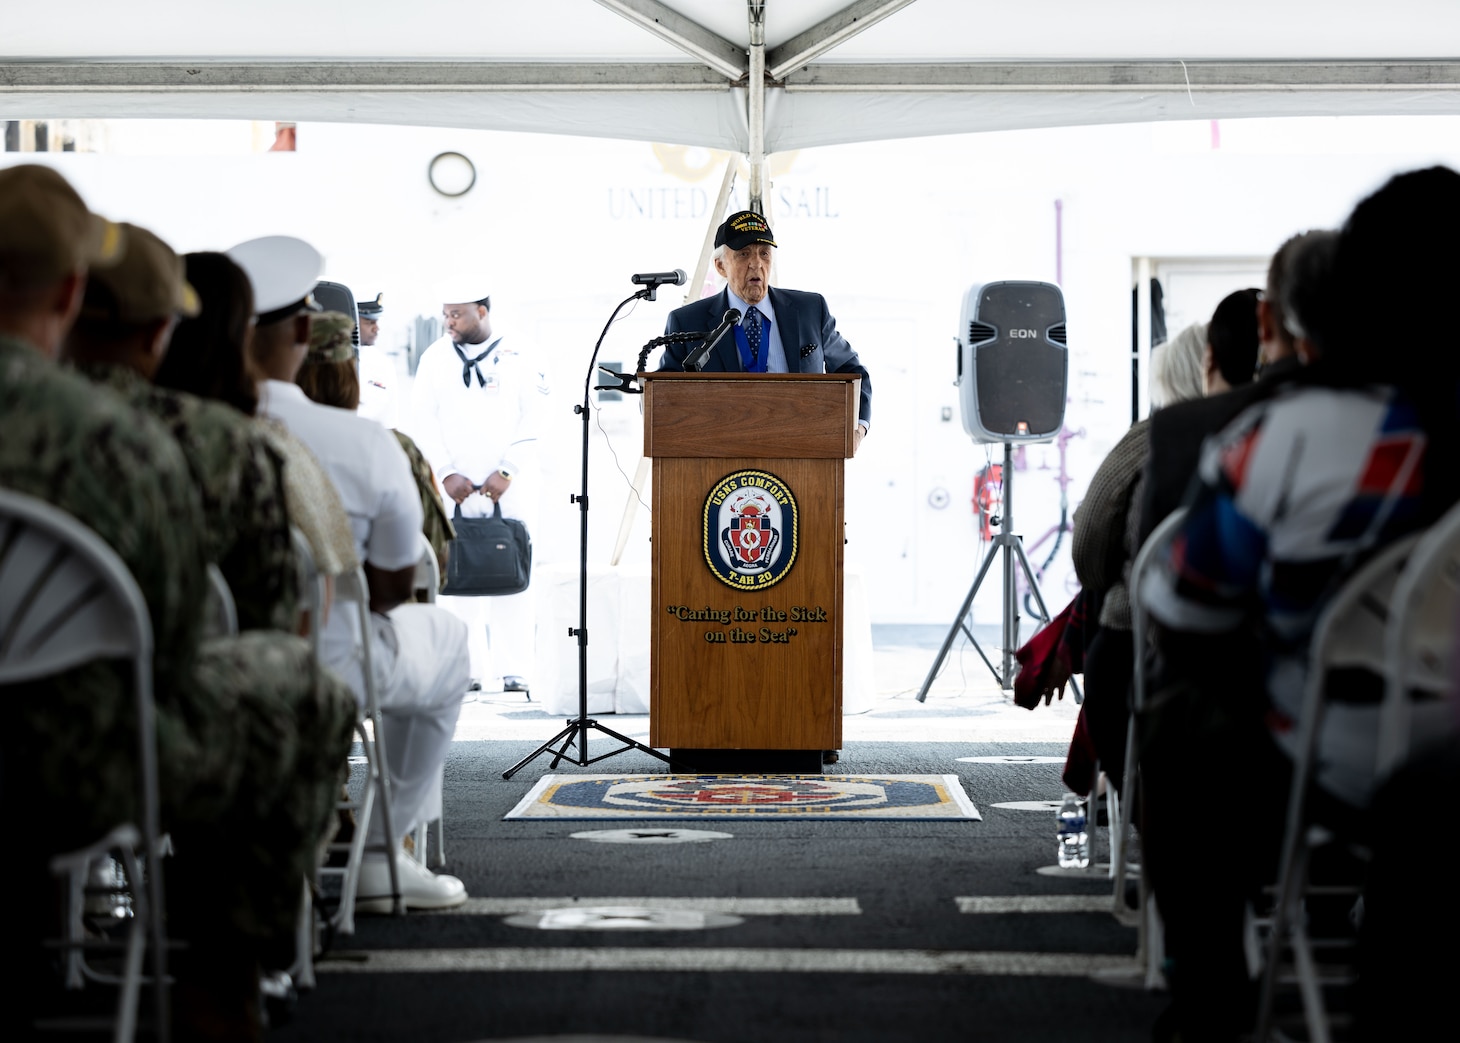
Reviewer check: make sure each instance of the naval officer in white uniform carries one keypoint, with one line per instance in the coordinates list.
(378, 383)
(418, 652)
(475, 412)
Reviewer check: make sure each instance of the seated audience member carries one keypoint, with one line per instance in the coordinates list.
(1294, 495)
(1102, 563)
(331, 376)
(1177, 367)
(1177, 433)
(249, 747)
(127, 316)
(418, 652)
(209, 358)
(1233, 343)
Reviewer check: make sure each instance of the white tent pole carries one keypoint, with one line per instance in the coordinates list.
(755, 95)
(1141, 357)
(689, 36)
(702, 266)
(799, 51)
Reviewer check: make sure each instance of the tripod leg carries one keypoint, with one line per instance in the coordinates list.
(629, 744)
(1009, 544)
(573, 739)
(567, 733)
(1043, 609)
(1033, 583)
(958, 624)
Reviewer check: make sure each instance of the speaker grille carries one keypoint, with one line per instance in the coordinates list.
(1014, 378)
(978, 332)
(1021, 384)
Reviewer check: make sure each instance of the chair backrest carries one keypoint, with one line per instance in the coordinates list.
(67, 599)
(428, 570)
(1349, 633)
(352, 592)
(65, 596)
(311, 584)
(1419, 641)
(1151, 554)
(222, 614)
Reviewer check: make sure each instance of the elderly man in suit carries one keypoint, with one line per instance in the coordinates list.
(780, 331)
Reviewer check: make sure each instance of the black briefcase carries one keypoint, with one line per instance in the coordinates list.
(489, 557)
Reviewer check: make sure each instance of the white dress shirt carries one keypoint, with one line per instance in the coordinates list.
(373, 477)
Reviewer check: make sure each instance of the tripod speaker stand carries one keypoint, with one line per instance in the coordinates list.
(1011, 547)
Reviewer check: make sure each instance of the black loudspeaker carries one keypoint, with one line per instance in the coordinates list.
(336, 296)
(1013, 366)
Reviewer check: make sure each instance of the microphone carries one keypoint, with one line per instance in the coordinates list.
(695, 360)
(674, 278)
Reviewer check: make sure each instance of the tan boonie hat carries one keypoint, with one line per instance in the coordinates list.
(147, 282)
(46, 230)
(329, 338)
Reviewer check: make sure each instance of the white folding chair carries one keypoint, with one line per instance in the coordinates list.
(1419, 645)
(1349, 633)
(352, 590)
(310, 609)
(66, 599)
(311, 586)
(1149, 947)
(428, 571)
(428, 583)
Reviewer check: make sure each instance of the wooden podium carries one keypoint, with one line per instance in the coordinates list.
(746, 658)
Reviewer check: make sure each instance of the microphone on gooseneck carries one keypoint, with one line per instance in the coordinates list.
(674, 278)
(695, 360)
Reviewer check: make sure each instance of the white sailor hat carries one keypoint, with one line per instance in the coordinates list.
(467, 291)
(283, 271)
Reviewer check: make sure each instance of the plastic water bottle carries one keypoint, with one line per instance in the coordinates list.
(1074, 841)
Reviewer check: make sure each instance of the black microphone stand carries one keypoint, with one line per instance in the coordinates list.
(575, 734)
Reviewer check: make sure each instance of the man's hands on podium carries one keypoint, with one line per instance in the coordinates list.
(857, 438)
(459, 488)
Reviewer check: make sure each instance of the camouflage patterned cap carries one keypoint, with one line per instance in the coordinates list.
(147, 282)
(743, 228)
(329, 339)
(46, 230)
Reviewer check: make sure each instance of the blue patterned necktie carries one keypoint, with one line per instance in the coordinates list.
(753, 333)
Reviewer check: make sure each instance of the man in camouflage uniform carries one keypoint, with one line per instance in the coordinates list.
(250, 746)
(119, 339)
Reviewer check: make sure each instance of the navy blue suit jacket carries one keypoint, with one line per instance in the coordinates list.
(805, 322)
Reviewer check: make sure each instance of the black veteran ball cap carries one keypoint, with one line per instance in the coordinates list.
(742, 229)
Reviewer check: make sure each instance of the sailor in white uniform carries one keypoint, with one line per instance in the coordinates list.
(475, 413)
(418, 652)
(378, 383)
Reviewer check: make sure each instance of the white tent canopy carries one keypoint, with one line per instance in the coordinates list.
(695, 71)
